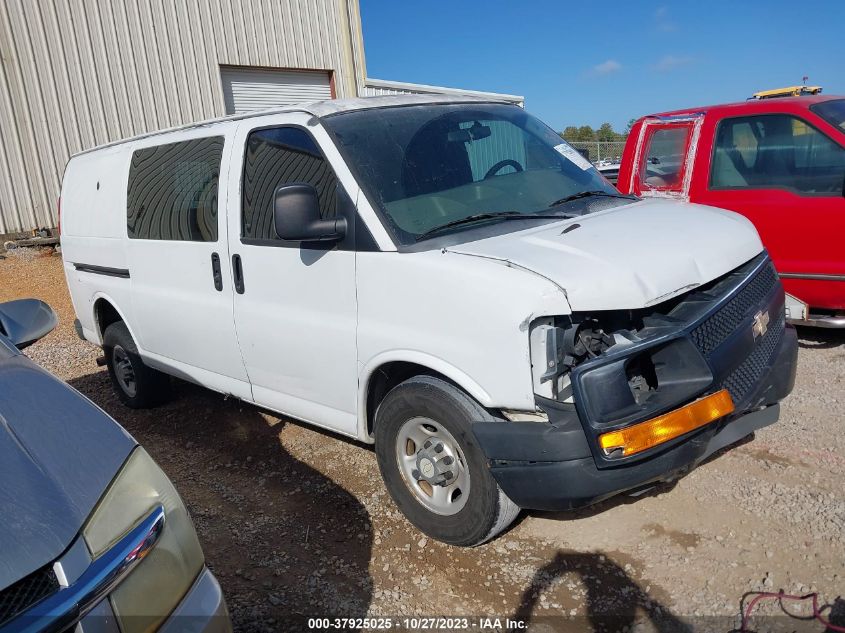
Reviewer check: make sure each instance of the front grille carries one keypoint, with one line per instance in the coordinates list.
(740, 381)
(17, 598)
(712, 333)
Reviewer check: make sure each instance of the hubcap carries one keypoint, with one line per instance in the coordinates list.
(433, 466)
(123, 371)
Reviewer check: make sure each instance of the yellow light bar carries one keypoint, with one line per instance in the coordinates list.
(788, 91)
(645, 435)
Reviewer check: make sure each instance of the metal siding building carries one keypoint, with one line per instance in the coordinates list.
(379, 87)
(80, 73)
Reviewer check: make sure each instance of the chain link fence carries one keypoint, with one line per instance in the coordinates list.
(597, 151)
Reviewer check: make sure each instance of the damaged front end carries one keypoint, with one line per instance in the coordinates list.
(640, 395)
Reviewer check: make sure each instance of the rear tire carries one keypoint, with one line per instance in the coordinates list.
(467, 507)
(137, 385)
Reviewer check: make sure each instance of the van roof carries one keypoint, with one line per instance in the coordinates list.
(317, 108)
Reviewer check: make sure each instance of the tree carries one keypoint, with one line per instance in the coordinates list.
(630, 125)
(586, 133)
(570, 133)
(606, 133)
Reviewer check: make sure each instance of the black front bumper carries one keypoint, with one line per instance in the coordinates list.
(557, 466)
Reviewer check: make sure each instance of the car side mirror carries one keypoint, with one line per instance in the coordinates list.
(26, 320)
(296, 214)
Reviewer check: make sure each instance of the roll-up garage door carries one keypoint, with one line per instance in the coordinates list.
(248, 89)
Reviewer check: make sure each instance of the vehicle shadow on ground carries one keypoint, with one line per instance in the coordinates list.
(622, 499)
(820, 338)
(614, 601)
(285, 541)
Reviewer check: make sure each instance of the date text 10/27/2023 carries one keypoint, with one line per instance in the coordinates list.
(419, 623)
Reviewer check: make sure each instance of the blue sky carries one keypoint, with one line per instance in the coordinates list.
(583, 63)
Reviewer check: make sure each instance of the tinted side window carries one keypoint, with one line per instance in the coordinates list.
(172, 193)
(831, 111)
(776, 151)
(275, 157)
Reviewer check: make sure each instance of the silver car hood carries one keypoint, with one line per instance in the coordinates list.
(58, 454)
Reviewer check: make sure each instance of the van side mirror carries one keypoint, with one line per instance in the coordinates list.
(296, 214)
(26, 320)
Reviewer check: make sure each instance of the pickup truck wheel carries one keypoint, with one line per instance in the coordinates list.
(137, 386)
(432, 466)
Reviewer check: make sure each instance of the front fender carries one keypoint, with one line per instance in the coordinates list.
(460, 378)
(464, 317)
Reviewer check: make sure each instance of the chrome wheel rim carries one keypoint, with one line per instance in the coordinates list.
(124, 372)
(433, 466)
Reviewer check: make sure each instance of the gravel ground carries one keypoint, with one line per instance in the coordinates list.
(295, 522)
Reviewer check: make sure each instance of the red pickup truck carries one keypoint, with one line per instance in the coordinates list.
(780, 163)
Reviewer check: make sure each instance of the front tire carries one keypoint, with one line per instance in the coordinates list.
(137, 385)
(432, 465)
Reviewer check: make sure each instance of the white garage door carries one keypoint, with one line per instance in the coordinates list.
(248, 89)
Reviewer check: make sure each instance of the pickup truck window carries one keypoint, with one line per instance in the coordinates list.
(424, 166)
(662, 163)
(279, 156)
(776, 151)
(172, 192)
(831, 111)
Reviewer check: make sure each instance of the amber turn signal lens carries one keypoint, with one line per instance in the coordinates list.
(645, 435)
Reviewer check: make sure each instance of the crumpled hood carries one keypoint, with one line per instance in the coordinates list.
(58, 454)
(630, 256)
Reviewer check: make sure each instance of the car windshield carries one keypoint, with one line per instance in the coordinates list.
(832, 111)
(426, 166)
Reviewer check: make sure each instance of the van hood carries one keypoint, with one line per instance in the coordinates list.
(58, 454)
(628, 257)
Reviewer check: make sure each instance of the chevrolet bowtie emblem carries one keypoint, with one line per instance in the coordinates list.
(760, 324)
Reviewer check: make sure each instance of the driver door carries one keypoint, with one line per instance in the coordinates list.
(786, 176)
(295, 304)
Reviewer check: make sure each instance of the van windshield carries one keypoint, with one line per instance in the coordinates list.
(425, 166)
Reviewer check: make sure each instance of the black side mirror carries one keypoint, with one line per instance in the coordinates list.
(26, 320)
(296, 213)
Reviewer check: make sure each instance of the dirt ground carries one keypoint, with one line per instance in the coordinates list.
(296, 523)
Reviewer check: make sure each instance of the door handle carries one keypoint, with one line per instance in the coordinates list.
(238, 273)
(215, 271)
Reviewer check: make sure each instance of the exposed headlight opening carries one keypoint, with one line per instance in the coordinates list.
(557, 345)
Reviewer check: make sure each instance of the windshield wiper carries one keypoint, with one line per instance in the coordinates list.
(497, 215)
(590, 194)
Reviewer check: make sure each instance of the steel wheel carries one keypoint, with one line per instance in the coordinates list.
(433, 466)
(124, 372)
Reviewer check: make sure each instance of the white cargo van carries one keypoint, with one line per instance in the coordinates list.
(444, 278)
